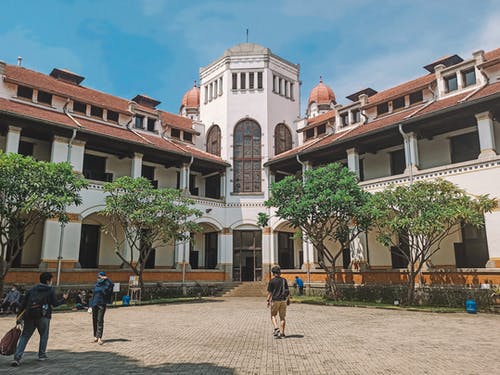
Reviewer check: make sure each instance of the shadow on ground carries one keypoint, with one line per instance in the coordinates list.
(97, 363)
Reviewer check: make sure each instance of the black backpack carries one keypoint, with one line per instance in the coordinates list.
(37, 304)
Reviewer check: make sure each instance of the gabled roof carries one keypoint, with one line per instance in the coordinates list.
(52, 117)
(53, 85)
(318, 120)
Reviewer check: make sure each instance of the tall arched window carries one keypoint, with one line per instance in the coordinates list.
(282, 139)
(247, 157)
(213, 140)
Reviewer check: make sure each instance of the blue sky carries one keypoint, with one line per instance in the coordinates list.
(156, 47)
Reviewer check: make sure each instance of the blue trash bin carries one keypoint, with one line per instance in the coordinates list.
(470, 306)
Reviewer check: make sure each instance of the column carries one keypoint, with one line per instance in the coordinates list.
(184, 177)
(357, 250)
(411, 152)
(182, 253)
(268, 256)
(353, 161)
(13, 138)
(77, 154)
(485, 128)
(136, 169)
(223, 185)
(59, 151)
(225, 254)
(491, 225)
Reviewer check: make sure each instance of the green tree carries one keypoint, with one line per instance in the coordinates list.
(325, 205)
(415, 219)
(30, 192)
(147, 218)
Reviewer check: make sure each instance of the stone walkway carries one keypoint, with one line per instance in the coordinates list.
(233, 336)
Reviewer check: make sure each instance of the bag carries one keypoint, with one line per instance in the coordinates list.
(8, 344)
(37, 304)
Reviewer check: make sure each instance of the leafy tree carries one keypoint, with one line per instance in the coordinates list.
(324, 206)
(415, 219)
(30, 192)
(147, 217)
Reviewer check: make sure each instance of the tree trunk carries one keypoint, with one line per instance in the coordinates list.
(331, 284)
(411, 287)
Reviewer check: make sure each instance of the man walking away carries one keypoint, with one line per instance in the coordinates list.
(37, 307)
(277, 296)
(103, 290)
(300, 284)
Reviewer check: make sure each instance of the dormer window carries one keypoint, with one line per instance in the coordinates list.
(309, 133)
(382, 108)
(151, 124)
(175, 133)
(96, 111)
(24, 92)
(139, 122)
(321, 129)
(356, 115)
(79, 107)
(344, 119)
(44, 97)
(451, 83)
(416, 97)
(112, 116)
(398, 103)
(188, 137)
(469, 77)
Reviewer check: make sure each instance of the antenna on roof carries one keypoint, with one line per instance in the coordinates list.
(19, 60)
(247, 35)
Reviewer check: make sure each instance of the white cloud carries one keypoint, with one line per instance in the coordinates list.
(488, 36)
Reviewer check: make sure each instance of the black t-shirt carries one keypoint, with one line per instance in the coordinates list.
(277, 286)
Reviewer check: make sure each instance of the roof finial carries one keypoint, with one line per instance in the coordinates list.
(247, 35)
(320, 79)
(195, 83)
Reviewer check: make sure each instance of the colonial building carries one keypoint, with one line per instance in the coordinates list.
(240, 130)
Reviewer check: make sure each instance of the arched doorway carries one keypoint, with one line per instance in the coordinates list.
(289, 248)
(247, 254)
(204, 248)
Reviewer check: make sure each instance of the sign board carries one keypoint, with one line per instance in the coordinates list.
(116, 288)
(133, 281)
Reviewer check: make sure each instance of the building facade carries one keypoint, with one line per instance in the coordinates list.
(236, 133)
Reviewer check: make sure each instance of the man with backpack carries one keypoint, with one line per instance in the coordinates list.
(37, 312)
(103, 290)
(278, 297)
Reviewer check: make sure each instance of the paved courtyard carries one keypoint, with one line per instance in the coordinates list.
(233, 336)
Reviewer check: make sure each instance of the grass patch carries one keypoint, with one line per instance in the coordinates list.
(318, 300)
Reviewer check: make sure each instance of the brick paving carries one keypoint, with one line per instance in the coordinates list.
(233, 336)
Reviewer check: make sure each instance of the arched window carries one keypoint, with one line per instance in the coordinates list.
(213, 140)
(247, 157)
(282, 139)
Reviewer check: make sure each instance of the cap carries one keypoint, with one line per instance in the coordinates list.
(102, 273)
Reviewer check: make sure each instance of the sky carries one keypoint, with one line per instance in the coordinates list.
(156, 47)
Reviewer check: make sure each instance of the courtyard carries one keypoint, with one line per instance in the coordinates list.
(233, 336)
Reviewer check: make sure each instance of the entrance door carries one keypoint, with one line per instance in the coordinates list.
(89, 246)
(285, 250)
(247, 255)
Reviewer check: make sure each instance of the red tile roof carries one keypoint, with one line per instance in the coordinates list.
(58, 87)
(47, 83)
(402, 89)
(109, 131)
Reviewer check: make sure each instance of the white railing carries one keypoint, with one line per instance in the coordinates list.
(431, 173)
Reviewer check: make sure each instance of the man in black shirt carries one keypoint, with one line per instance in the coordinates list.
(277, 297)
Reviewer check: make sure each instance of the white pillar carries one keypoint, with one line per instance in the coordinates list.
(70, 245)
(225, 255)
(13, 138)
(486, 134)
(184, 177)
(77, 155)
(136, 169)
(411, 152)
(59, 151)
(491, 225)
(223, 185)
(353, 161)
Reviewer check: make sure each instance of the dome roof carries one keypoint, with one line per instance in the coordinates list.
(322, 94)
(191, 98)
